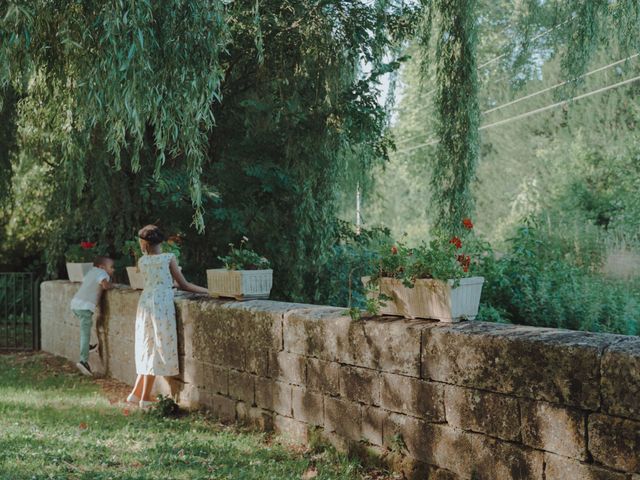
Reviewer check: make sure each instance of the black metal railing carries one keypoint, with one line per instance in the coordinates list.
(19, 319)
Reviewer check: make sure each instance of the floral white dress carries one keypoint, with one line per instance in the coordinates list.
(156, 339)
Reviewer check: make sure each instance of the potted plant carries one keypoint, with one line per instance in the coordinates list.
(430, 281)
(79, 259)
(132, 248)
(245, 274)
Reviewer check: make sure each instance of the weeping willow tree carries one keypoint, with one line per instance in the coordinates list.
(245, 114)
(575, 30)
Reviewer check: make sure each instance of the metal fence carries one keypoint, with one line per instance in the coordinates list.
(19, 318)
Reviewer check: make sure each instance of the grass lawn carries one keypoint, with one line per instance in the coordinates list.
(56, 424)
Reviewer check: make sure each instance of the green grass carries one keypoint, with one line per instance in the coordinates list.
(56, 424)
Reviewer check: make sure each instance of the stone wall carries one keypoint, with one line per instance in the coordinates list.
(436, 401)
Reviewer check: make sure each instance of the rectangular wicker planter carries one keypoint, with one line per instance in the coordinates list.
(77, 271)
(431, 299)
(239, 284)
(136, 280)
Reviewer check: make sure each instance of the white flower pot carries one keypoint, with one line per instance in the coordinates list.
(431, 299)
(136, 280)
(239, 284)
(77, 271)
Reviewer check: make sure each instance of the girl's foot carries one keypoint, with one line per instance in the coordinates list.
(132, 398)
(144, 404)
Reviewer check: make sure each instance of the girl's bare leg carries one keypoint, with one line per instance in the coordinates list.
(137, 388)
(147, 386)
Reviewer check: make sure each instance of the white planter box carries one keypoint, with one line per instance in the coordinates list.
(431, 299)
(77, 271)
(136, 280)
(239, 284)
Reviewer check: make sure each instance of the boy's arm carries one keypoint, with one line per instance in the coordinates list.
(106, 284)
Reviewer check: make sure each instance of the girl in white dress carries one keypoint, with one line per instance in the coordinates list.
(156, 338)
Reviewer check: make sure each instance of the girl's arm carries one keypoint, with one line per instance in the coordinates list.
(181, 281)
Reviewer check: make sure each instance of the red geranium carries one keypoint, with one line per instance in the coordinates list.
(456, 241)
(465, 262)
(394, 250)
(87, 245)
(467, 223)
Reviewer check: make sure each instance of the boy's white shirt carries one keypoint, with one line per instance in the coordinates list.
(89, 294)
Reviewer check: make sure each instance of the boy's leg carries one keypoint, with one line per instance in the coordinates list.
(86, 322)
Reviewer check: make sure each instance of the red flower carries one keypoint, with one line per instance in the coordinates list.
(467, 223)
(456, 241)
(87, 245)
(83, 426)
(394, 250)
(465, 262)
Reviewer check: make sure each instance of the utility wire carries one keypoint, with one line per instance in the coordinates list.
(539, 92)
(532, 112)
(544, 90)
(502, 55)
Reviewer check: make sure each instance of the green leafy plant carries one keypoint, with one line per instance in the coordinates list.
(165, 407)
(83, 252)
(243, 258)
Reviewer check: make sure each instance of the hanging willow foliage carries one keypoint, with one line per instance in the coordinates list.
(123, 66)
(457, 108)
(575, 29)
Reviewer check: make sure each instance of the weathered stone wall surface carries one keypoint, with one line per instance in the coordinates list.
(436, 401)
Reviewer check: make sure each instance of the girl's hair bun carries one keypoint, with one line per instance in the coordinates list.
(152, 234)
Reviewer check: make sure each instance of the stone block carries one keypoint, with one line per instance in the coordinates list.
(554, 365)
(554, 429)
(372, 422)
(288, 367)
(484, 412)
(241, 386)
(561, 468)
(258, 323)
(224, 408)
(257, 361)
(254, 417)
(323, 376)
(308, 406)
(413, 396)
(614, 442)
(273, 395)
(621, 378)
(360, 385)
(343, 418)
(217, 379)
(327, 333)
(192, 371)
(469, 455)
(291, 430)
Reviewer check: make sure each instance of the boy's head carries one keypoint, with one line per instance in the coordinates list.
(104, 263)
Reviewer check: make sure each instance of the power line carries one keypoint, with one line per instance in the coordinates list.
(544, 90)
(557, 104)
(502, 55)
(533, 112)
(539, 92)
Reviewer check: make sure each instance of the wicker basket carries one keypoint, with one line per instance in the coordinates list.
(239, 284)
(431, 299)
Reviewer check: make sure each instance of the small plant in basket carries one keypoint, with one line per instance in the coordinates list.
(245, 275)
(243, 258)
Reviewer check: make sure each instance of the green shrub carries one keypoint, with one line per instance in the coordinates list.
(536, 283)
